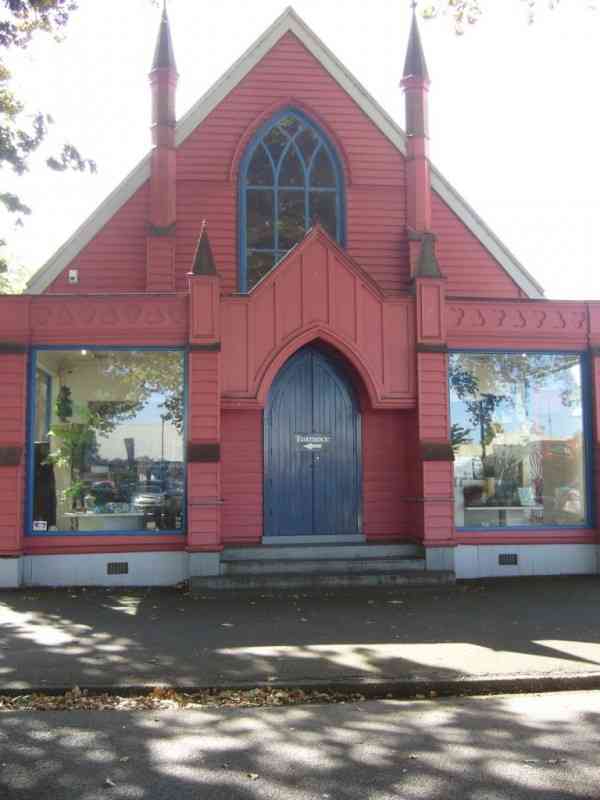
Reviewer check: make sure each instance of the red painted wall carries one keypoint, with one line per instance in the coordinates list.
(471, 271)
(207, 188)
(389, 473)
(13, 385)
(388, 477)
(289, 74)
(115, 259)
(242, 476)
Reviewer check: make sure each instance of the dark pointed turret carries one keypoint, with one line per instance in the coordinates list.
(204, 262)
(415, 82)
(427, 265)
(164, 54)
(415, 65)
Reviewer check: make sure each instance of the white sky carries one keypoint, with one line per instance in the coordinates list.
(515, 124)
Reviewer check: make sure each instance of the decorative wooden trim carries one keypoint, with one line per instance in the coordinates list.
(11, 348)
(10, 456)
(432, 348)
(204, 453)
(437, 451)
(212, 347)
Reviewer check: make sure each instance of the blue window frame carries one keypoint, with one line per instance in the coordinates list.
(290, 179)
(520, 432)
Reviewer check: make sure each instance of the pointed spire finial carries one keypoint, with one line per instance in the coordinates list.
(415, 65)
(204, 262)
(164, 54)
(427, 265)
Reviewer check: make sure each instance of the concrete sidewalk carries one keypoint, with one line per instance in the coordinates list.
(529, 633)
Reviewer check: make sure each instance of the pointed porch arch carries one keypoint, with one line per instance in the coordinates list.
(316, 335)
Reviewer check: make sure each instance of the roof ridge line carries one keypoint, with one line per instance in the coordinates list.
(289, 20)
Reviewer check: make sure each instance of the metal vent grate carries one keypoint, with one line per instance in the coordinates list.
(117, 568)
(508, 559)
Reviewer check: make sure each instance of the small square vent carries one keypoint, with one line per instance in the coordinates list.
(508, 559)
(117, 568)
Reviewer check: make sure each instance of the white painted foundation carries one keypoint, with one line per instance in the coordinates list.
(11, 572)
(144, 569)
(168, 569)
(482, 561)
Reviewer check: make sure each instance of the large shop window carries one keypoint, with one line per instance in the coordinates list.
(108, 441)
(290, 180)
(518, 440)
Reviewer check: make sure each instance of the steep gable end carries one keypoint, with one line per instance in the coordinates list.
(381, 250)
(207, 162)
(115, 258)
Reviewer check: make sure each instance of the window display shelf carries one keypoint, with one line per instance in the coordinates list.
(93, 521)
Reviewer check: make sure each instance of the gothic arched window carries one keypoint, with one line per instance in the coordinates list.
(290, 179)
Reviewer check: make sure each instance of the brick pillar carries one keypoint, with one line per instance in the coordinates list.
(436, 519)
(13, 402)
(204, 426)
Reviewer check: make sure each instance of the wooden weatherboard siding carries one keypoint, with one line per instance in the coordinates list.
(374, 169)
(13, 401)
(470, 270)
(207, 166)
(388, 483)
(318, 293)
(115, 260)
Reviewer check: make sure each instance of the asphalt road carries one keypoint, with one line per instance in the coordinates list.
(539, 747)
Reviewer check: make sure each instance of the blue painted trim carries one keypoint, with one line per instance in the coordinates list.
(30, 435)
(30, 461)
(588, 438)
(587, 423)
(243, 187)
(338, 368)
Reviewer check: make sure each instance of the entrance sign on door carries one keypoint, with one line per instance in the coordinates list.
(312, 441)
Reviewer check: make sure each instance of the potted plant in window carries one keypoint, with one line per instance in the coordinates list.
(71, 441)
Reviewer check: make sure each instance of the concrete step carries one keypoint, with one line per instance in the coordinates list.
(317, 580)
(323, 566)
(322, 551)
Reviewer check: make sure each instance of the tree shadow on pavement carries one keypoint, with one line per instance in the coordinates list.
(132, 637)
(470, 749)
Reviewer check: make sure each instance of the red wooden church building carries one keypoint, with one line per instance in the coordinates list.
(343, 376)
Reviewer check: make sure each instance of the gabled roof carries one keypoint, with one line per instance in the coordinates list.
(289, 21)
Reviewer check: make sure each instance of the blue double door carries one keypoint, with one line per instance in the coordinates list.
(312, 450)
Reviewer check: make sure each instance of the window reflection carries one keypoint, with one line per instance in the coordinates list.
(113, 457)
(517, 435)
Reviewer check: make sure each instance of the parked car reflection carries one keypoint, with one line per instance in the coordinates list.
(160, 500)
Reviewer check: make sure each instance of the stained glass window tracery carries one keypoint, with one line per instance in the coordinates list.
(290, 180)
